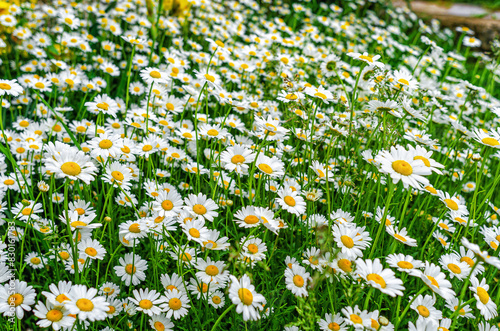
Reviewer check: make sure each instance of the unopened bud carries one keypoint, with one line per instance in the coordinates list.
(25, 202)
(383, 320)
(107, 219)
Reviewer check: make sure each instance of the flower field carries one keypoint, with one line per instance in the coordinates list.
(243, 165)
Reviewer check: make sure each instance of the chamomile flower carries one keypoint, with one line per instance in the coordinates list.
(401, 166)
(131, 269)
(291, 201)
(296, 280)
(382, 279)
(484, 303)
(20, 297)
(86, 304)
(200, 206)
(176, 304)
(248, 302)
(147, 301)
(56, 317)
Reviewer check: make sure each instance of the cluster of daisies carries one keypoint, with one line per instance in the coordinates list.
(242, 164)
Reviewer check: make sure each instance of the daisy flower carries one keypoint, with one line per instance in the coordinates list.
(70, 163)
(86, 304)
(10, 87)
(217, 299)
(201, 206)
(465, 311)
(20, 297)
(132, 230)
(291, 201)
(383, 279)
(405, 263)
(355, 317)
(436, 281)
(491, 139)
(296, 279)
(271, 166)
(176, 304)
(348, 240)
(211, 271)
(118, 174)
(368, 59)
(401, 236)
(454, 204)
(92, 249)
(401, 165)
(59, 293)
(454, 266)
(173, 282)
(247, 217)
(153, 75)
(253, 248)
(484, 303)
(56, 317)
(332, 322)
(424, 306)
(131, 269)
(147, 301)
(248, 302)
(168, 204)
(237, 158)
(161, 323)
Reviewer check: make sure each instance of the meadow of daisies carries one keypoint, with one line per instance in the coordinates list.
(243, 165)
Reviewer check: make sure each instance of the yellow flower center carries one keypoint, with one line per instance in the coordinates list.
(194, 233)
(490, 141)
(246, 296)
(145, 304)
(366, 58)
(345, 265)
(212, 132)
(199, 209)
(26, 211)
(61, 298)
(298, 280)
(454, 268)
(356, 319)
(85, 304)
(433, 281)
(90, 251)
(265, 168)
(451, 204)
(377, 279)
(237, 159)
(130, 269)
(155, 74)
(334, 326)
(290, 201)
(105, 144)
(483, 295)
(405, 265)
(252, 248)
(175, 304)
(402, 167)
(423, 311)
(212, 270)
(134, 228)
(167, 205)
(251, 219)
(71, 168)
(54, 315)
(347, 241)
